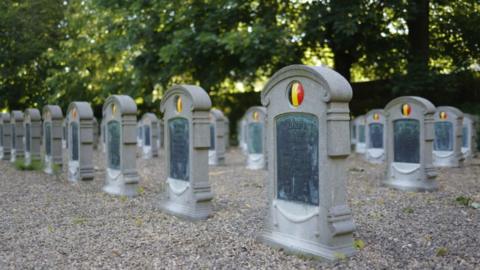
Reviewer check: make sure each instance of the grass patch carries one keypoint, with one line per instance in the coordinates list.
(442, 251)
(79, 220)
(358, 244)
(408, 210)
(35, 165)
(465, 201)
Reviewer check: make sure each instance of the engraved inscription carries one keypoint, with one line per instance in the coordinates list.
(212, 137)
(179, 148)
(14, 137)
(406, 142)
(443, 136)
(376, 135)
(361, 133)
(48, 138)
(255, 138)
(27, 138)
(146, 133)
(74, 143)
(113, 143)
(297, 158)
(465, 135)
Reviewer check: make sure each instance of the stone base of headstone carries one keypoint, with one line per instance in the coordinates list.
(121, 184)
(467, 155)
(185, 202)
(75, 173)
(446, 159)
(214, 160)
(408, 177)
(13, 156)
(147, 152)
(303, 247)
(375, 156)
(360, 148)
(255, 162)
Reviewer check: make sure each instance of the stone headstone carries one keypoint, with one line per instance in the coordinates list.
(161, 135)
(216, 153)
(52, 140)
(375, 136)
(33, 139)
(241, 133)
(149, 124)
(409, 122)
(64, 134)
(353, 133)
(360, 141)
(103, 135)
(18, 133)
(447, 144)
(308, 143)
(186, 110)
(468, 137)
(5, 139)
(255, 117)
(139, 135)
(80, 140)
(227, 133)
(120, 114)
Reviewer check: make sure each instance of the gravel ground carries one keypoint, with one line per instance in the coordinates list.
(48, 223)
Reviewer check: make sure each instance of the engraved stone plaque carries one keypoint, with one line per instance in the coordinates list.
(48, 138)
(75, 140)
(443, 136)
(28, 138)
(146, 135)
(255, 138)
(179, 148)
(1, 134)
(297, 158)
(465, 135)
(376, 135)
(406, 142)
(14, 138)
(212, 137)
(361, 133)
(113, 142)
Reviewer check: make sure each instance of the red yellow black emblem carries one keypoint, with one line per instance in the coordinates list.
(255, 116)
(179, 104)
(296, 93)
(406, 109)
(443, 115)
(376, 116)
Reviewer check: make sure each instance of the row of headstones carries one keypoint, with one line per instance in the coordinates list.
(455, 136)
(306, 141)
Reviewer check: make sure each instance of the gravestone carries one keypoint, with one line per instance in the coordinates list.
(186, 110)
(468, 137)
(375, 136)
(161, 130)
(18, 133)
(255, 117)
(52, 140)
(6, 136)
(308, 142)
(149, 124)
(216, 153)
(242, 131)
(95, 133)
(139, 135)
(227, 133)
(447, 144)
(353, 133)
(120, 114)
(80, 141)
(32, 126)
(409, 125)
(360, 140)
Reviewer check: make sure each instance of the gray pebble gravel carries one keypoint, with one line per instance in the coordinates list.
(48, 223)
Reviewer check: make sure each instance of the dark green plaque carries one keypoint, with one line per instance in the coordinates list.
(255, 138)
(297, 158)
(1, 135)
(361, 133)
(27, 138)
(465, 135)
(113, 142)
(146, 135)
(48, 138)
(75, 142)
(212, 137)
(406, 141)
(179, 148)
(14, 137)
(376, 135)
(443, 136)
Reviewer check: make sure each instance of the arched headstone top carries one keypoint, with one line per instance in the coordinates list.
(371, 113)
(54, 112)
(360, 119)
(126, 104)
(217, 114)
(428, 107)
(150, 116)
(336, 88)
(33, 114)
(5, 117)
(457, 112)
(16, 116)
(200, 99)
(83, 109)
(255, 109)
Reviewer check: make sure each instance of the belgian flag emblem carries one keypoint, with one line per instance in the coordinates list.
(74, 114)
(376, 116)
(179, 104)
(255, 116)
(114, 109)
(443, 115)
(406, 109)
(296, 93)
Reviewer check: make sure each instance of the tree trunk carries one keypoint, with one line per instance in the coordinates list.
(343, 61)
(418, 36)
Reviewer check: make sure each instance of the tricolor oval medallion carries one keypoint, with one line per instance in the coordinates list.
(406, 109)
(295, 93)
(255, 116)
(179, 104)
(443, 115)
(376, 116)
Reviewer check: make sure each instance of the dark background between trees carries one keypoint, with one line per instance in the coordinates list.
(54, 51)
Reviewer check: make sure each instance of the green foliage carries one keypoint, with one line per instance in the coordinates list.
(35, 165)
(408, 210)
(358, 244)
(442, 251)
(465, 201)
